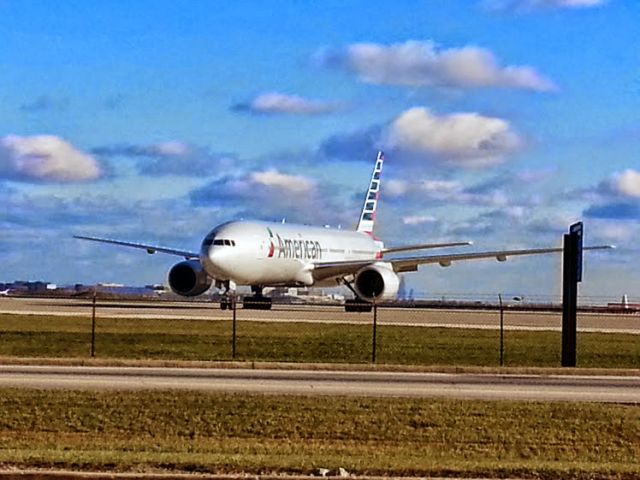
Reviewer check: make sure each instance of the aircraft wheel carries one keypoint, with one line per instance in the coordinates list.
(256, 303)
(357, 305)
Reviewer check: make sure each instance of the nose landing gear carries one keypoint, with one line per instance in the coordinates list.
(228, 295)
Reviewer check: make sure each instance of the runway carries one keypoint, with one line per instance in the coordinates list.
(306, 382)
(453, 318)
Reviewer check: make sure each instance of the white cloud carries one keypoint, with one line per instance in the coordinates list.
(437, 189)
(443, 191)
(618, 232)
(626, 183)
(396, 188)
(283, 181)
(281, 103)
(459, 139)
(422, 63)
(45, 158)
(516, 212)
(169, 149)
(418, 219)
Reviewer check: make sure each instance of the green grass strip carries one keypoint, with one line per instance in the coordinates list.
(53, 336)
(226, 433)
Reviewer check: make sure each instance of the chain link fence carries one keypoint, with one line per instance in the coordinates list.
(478, 335)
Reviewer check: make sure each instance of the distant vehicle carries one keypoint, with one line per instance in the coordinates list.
(5, 293)
(263, 254)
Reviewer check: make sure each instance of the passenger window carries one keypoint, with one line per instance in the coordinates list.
(376, 175)
(372, 196)
(367, 216)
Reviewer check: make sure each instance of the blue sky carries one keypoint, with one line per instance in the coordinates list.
(503, 122)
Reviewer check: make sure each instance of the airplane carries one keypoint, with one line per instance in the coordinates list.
(5, 293)
(265, 254)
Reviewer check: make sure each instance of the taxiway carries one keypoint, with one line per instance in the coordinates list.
(619, 389)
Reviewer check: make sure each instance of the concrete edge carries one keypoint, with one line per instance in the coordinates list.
(338, 367)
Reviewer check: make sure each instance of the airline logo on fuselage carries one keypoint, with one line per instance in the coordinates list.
(299, 249)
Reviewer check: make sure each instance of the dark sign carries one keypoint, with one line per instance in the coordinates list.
(577, 233)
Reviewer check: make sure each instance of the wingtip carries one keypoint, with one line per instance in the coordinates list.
(601, 247)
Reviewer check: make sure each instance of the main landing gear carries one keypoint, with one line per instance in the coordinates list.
(355, 304)
(257, 301)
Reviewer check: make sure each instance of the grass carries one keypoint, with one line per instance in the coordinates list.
(60, 337)
(226, 433)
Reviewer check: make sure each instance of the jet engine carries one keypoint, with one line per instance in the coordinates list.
(377, 282)
(189, 279)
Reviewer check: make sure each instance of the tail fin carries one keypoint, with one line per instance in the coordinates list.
(368, 213)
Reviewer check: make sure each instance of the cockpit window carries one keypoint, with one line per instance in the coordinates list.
(224, 241)
(208, 240)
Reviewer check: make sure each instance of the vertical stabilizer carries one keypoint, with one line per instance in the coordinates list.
(368, 213)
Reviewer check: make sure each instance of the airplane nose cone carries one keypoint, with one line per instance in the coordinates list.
(217, 259)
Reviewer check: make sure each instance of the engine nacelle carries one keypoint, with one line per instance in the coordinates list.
(189, 279)
(377, 282)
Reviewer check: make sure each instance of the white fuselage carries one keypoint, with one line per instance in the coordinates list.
(263, 253)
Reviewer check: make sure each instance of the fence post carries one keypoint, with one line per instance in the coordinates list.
(501, 330)
(375, 327)
(233, 341)
(93, 323)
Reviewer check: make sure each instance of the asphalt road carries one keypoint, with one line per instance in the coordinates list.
(306, 382)
(477, 319)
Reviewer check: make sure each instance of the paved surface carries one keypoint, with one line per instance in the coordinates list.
(477, 319)
(372, 384)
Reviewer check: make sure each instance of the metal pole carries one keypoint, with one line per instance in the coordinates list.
(501, 330)
(93, 324)
(233, 343)
(375, 327)
(569, 301)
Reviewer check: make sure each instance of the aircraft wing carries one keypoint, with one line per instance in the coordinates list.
(149, 248)
(410, 264)
(325, 270)
(423, 246)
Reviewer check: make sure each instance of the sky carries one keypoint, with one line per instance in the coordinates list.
(502, 121)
